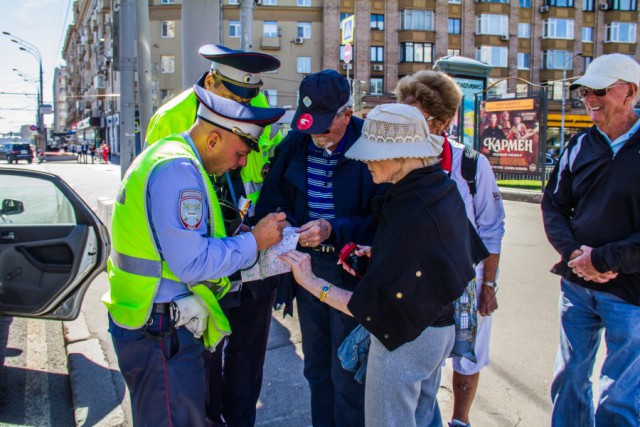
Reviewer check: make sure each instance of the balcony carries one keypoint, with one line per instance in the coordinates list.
(270, 43)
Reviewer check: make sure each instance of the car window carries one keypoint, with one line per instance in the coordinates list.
(42, 202)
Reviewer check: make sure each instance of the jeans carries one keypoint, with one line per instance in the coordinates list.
(584, 314)
(336, 398)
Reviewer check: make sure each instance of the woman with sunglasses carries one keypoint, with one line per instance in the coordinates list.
(591, 210)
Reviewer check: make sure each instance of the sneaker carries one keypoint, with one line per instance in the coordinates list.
(457, 423)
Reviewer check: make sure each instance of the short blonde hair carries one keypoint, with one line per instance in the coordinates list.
(436, 92)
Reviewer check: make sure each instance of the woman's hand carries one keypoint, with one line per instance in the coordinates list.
(360, 251)
(300, 266)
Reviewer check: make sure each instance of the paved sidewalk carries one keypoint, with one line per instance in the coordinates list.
(99, 392)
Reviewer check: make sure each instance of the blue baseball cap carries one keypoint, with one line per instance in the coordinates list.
(241, 119)
(321, 96)
(239, 70)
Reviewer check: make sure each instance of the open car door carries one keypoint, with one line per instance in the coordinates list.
(52, 246)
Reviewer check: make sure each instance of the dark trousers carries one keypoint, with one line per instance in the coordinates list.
(336, 398)
(234, 370)
(165, 376)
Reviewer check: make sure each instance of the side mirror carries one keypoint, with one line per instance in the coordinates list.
(11, 207)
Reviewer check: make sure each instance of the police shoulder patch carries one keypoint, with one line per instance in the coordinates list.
(191, 208)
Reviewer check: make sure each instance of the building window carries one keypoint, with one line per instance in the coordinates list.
(498, 87)
(168, 1)
(272, 97)
(377, 21)
(620, 32)
(167, 64)
(303, 65)
(377, 54)
(560, 3)
(624, 5)
(587, 34)
(345, 15)
(492, 55)
(304, 30)
(493, 1)
(168, 29)
(421, 20)
(524, 61)
(522, 89)
(270, 29)
(492, 24)
(453, 52)
(524, 3)
(524, 30)
(303, 3)
(341, 52)
(269, 2)
(554, 28)
(554, 91)
(234, 29)
(557, 60)
(454, 26)
(375, 85)
(587, 5)
(416, 52)
(454, 1)
(233, 1)
(586, 60)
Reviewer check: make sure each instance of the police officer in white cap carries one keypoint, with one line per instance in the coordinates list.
(234, 74)
(171, 257)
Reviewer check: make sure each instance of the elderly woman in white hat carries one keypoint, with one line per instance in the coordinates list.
(421, 260)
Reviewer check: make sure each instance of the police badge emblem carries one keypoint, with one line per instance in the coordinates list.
(191, 209)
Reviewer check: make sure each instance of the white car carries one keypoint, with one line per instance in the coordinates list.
(52, 246)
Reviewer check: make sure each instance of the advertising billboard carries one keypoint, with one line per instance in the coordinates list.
(463, 125)
(509, 134)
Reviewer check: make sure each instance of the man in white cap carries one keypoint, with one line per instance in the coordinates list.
(591, 210)
(234, 74)
(171, 257)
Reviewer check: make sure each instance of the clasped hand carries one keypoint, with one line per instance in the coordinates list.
(581, 265)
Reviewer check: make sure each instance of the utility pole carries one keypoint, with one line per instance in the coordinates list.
(145, 88)
(127, 74)
(200, 23)
(246, 24)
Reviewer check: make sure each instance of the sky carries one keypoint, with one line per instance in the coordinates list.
(42, 23)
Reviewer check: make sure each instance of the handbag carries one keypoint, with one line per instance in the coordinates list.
(466, 318)
(353, 352)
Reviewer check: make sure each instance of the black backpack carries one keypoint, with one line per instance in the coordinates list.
(469, 167)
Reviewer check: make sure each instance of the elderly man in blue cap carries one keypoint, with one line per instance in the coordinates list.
(170, 258)
(329, 197)
(234, 371)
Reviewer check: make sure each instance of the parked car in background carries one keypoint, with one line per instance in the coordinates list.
(12, 152)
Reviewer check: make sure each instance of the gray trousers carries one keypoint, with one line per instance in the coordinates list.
(402, 385)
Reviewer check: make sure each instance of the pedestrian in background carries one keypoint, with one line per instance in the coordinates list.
(170, 259)
(591, 212)
(234, 371)
(329, 198)
(421, 261)
(438, 97)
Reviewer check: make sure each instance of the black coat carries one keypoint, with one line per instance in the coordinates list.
(422, 259)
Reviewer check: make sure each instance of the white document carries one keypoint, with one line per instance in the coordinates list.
(269, 264)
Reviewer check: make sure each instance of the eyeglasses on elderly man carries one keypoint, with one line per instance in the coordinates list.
(584, 91)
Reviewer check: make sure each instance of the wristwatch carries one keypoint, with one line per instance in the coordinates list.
(494, 285)
(325, 290)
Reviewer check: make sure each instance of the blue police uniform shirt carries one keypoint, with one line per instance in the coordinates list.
(190, 254)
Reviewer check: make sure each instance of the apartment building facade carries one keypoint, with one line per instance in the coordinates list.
(527, 42)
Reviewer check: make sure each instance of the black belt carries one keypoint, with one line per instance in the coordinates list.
(162, 308)
(327, 249)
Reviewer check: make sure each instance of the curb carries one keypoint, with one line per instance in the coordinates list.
(519, 195)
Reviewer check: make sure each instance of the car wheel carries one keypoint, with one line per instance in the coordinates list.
(29, 161)
(9, 160)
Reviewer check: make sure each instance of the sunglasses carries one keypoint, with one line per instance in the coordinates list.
(585, 91)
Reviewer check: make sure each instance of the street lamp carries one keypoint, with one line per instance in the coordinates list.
(564, 95)
(35, 52)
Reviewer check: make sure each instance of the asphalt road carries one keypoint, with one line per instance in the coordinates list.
(513, 391)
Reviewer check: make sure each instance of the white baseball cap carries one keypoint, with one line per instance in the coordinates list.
(608, 69)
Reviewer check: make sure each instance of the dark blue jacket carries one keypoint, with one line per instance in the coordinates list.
(286, 188)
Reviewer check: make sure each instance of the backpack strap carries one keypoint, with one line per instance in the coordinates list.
(469, 168)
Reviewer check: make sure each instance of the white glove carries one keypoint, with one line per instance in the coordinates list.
(192, 314)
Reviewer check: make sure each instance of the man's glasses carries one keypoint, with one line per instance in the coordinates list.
(585, 91)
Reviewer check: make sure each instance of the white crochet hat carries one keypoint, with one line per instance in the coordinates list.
(394, 131)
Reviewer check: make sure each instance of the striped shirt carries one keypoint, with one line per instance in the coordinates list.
(320, 167)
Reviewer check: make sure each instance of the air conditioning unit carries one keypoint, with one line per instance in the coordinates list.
(504, 37)
(298, 40)
(378, 67)
(604, 6)
(544, 9)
